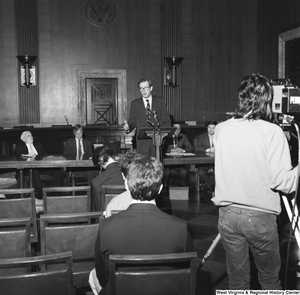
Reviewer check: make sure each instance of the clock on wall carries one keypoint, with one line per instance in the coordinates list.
(100, 12)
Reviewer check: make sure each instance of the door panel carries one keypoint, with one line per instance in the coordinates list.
(102, 100)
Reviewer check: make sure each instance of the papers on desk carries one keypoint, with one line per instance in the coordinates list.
(26, 156)
(179, 154)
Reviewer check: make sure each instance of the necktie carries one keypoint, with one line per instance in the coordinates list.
(148, 110)
(211, 141)
(79, 147)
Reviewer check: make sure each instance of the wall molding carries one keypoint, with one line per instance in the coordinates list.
(282, 38)
(81, 73)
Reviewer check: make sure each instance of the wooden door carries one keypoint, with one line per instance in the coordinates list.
(102, 100)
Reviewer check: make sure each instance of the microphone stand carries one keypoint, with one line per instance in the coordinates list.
(156, 134)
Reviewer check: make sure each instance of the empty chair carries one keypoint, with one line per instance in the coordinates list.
(20, 203)
(40, 280)
(108, 192)
(15, 237)
(75, 232)
(164, 274)
(67, 201)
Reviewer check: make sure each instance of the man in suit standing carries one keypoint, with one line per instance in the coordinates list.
(147, 111)
(205, 143)
(112, 174)
(29, 151)
(122, 233)
(79, 146)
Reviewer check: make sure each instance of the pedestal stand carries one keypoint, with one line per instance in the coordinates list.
(157, 135)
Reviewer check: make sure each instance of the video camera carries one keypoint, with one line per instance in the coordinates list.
(286, 101)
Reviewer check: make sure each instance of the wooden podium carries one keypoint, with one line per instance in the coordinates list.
(157, 134)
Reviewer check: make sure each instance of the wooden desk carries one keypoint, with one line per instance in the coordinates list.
(199, 159)
(9, 162)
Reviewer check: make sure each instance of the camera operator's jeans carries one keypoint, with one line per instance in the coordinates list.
(242, 229)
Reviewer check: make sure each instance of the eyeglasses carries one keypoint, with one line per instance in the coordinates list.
(144, 88)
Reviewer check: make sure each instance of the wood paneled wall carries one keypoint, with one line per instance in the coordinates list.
(276, 16)
(27, 41)
(220, 41)
(172, 46)
(9, 112)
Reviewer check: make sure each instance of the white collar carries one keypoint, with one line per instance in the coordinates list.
(133, 201)
(149, 98)
(109, 161)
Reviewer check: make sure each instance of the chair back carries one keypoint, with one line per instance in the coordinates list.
(74, 199)
(46, 282)
(15, 237)
(20, 203)
(109, 191)
(74, 232)
(164, 274)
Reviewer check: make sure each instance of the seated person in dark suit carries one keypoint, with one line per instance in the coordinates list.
(205, 143)
(142, 229)
(104, 157)
(122, 201)
(79, 146)
(181, 145)
(30, 151)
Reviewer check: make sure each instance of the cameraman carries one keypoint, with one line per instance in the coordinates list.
(252, 165)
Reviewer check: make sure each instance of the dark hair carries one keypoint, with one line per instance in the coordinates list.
(255, 98)
(126, 159)
(100, 152)
(144, 178)
(145, 80)
(211, 123)
(77, 127)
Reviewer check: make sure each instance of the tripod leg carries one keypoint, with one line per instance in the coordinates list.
(210, 249)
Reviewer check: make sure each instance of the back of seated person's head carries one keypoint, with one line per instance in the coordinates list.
(144, 178)
(126, 159)
(101, 155)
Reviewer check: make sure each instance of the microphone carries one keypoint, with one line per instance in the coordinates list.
(150, 123)
(156, 118)
(148, 116)
(67, 120)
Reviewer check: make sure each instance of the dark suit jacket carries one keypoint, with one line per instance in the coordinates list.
(21, 148)
(111, 175)
(70, 146)
(142, 229)
(183, 143)
(201, 142)
(138, 119)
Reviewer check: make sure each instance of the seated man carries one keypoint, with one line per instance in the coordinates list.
(30, 151)
(78, 146)
(122, 233)
(122, 201)
(205, 143)
(181, 145)
(104, 157)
